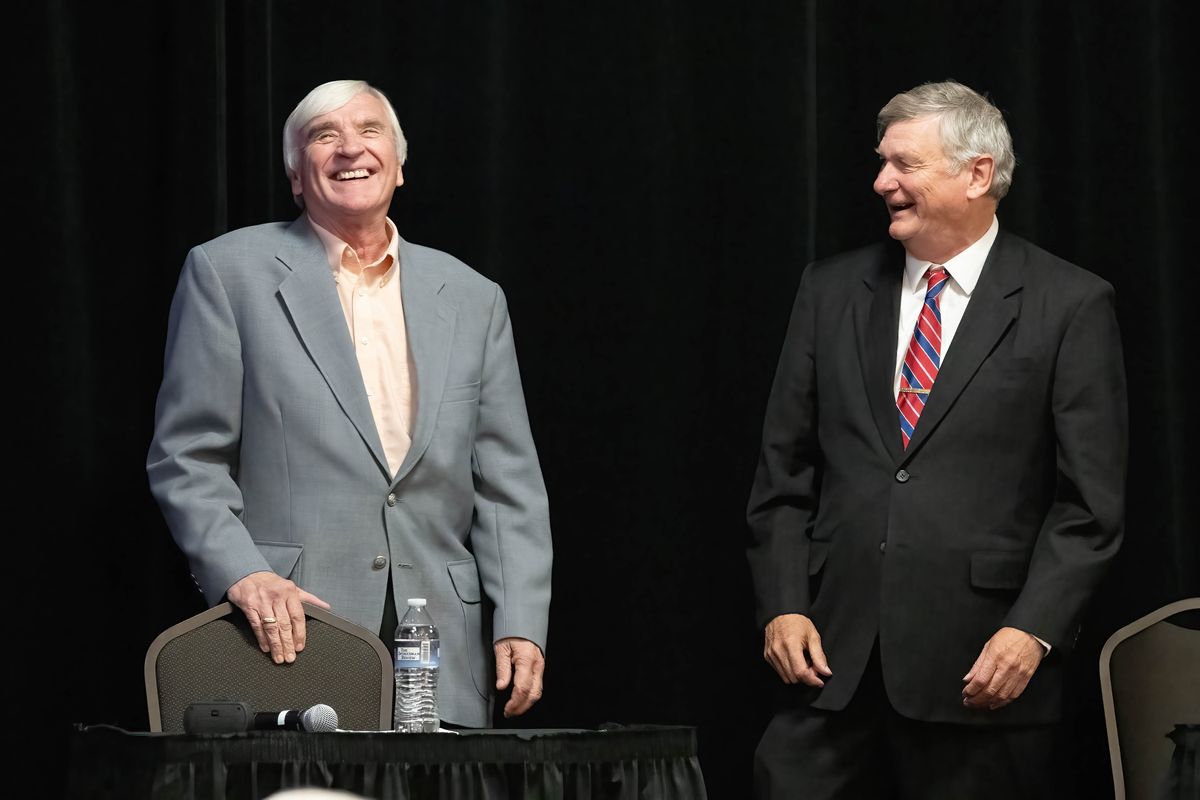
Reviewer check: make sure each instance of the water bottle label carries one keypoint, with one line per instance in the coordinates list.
(417, 653)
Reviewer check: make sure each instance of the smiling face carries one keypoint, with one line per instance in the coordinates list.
(934, 211)
(348, 167)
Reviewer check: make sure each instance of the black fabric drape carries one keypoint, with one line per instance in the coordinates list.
(647, 181)
(621, 763)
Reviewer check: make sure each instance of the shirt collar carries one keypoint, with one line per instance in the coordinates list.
(335, 247)
(965, 268)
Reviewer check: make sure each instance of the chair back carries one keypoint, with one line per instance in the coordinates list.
(214, 656)
(1150, 682)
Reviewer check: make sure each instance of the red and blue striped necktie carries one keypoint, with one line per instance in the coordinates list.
(924, 356)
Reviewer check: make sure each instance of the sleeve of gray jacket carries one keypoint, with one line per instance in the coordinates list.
(192, 462)
(511, 530)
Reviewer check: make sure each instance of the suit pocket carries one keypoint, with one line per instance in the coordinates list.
(464, 575)
(461, 394)
(1000, 569)
(1017, 368)
(1018, 376)
(284, 557)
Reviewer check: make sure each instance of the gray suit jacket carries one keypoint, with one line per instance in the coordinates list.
(265, 454)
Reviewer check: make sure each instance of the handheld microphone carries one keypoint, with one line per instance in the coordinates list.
(315, 719)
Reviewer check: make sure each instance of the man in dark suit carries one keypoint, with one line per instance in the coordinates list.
(941, 483)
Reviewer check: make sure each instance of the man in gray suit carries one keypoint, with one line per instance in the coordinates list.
(341, 422)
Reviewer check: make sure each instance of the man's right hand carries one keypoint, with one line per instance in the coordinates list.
(272, 607)
(793, 648)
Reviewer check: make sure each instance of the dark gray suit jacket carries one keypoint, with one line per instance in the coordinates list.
(1005, 509)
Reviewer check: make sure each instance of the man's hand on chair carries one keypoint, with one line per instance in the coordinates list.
(272, 607)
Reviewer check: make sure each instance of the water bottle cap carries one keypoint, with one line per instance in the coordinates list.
(416, 601)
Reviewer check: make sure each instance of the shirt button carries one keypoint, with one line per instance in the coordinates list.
(902, 476)
(363, 340)
(391, 499)
(379, 563)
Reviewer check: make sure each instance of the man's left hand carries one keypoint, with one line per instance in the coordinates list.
(1003, 669)
(521, 663)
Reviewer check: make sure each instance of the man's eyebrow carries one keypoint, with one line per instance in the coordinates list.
(903, 156)
(329, 125)
(320, 127)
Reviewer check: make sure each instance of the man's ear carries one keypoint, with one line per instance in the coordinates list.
(981, 170)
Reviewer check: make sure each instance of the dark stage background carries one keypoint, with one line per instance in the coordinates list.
(647, 181)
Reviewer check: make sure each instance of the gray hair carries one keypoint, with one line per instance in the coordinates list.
(323, 99)
(970, 126)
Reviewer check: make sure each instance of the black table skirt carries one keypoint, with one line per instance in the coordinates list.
(1183, 776)
(617, 762)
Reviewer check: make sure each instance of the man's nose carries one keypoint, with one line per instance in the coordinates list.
(885, 181)
(350, 144)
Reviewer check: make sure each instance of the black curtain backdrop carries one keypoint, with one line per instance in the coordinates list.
(646, 180)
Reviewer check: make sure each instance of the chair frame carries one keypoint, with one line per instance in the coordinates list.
(225, 609)
(1106, 687)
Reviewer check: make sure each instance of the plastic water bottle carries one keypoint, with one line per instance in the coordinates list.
(417, 654)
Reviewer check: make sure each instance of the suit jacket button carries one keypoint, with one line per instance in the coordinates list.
(391, 499)
(379, 563)
(902, 476)
(882, 546)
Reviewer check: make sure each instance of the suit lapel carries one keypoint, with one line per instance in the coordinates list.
(877, 319)
(994, 305)
(316, 312)
(429, 319)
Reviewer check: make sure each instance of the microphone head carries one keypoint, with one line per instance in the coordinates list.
(319, 719)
